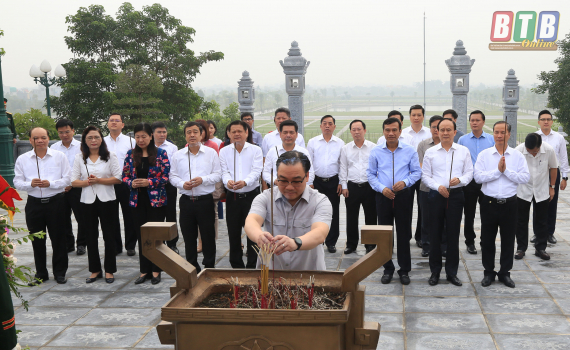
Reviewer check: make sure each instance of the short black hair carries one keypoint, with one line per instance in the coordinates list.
(395, 112)
(544, 111)
(62, 123)
(449, 120)
(211, 122)
(282, 110)
(156, 125)
(392, 121)
(450, 111)
(477, 112)
(502, 122)
(533, 140)
(356, 121)
(294, 157)
(417, 107)
(113, 113)
(190, 124)
(435, 118)
(238, 122)
(328, 116)
(289, 123)
(245, 114)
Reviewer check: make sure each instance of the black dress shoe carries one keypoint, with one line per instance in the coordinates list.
(142, 279)
(349, 250)
(110, 280)
(471, 249)
(419, 244)
(552, 239)
(386, 278)
(155, 280)
(91, 280)
(519, 254)
(80, 250)
(175, 249)
(331, 248)
(405, 279)
(425, 253)
(454, 280)
(487, 280)
(61, 280)
(533, 239)
(433, 279)
(542, 254)
(507, 281)
(70, 249)
(131, 252)
(37, 281)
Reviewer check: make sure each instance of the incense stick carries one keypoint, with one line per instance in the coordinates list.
(449, 184)
(393, 199)
(38, 166)
(86, 169)
(190, 172)
(234, 170)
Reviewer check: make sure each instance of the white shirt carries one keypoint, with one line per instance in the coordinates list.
(53, 167)
(248, 166)
(102, 169)
(120, 147)
(271, 159)
(273, 139)
(74, 148)
(496, 184)
(414, 138)
(557, 142)
(539, 166)
(403, 137)
(438, 164)
(217, 141)
(354, 162)
(204, 164)
(325, 155)
(170, 148)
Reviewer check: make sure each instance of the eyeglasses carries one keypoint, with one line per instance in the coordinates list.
(91, 138)
(545, 119)
(293, 183)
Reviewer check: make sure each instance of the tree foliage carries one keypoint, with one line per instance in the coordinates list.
(24, 122)
(2, 52)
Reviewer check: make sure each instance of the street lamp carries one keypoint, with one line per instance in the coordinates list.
(41, 75)
(6, 137)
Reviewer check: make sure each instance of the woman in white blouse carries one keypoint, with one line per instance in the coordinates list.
(96, 170)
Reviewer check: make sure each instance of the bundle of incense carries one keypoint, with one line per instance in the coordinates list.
(449, 184)
(265, 253)
(190, 172)
(38, 166)
(311, 290)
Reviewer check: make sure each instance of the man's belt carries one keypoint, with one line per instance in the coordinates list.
(46, 200)
(500, 200)
(197, 198)
(246, 194)
(364, 184)
(326, 179)
(457, 189)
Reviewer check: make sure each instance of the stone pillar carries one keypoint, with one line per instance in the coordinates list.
(246, 93)
(459, 66)
(295, 67)
(510, 107)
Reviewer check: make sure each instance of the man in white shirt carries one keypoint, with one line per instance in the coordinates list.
(415, 134)
(325, 153)
(241, 164)
(539, 191)
(557, 141)
(247, 117)
(195, 170)
(120, 144)
(500, 169)
(70, 147)
(160, 134)
(355, 187)
(44, 173)
(288, 131)
(272, 139)
(446, 169)
(403, 137)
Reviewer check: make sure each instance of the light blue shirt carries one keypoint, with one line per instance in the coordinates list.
(476, 144)
(257, 138)
(385, 167)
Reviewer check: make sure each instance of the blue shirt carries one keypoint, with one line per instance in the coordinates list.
(385, 167)
(257, 138)
(476, 145)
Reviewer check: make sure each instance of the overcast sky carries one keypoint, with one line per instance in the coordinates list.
(348, 42)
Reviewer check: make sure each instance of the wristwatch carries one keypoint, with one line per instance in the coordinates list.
(299, 242)
(552, 186)
(565, 178)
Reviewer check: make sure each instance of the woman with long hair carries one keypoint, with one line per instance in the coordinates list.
(213, 128)
(206, 135)
(96, 171)
(146, 172)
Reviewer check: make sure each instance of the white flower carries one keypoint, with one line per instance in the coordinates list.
(12, 259)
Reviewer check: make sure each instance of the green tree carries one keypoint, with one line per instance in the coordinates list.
(24, 122)
(2, 52)
(222, 119)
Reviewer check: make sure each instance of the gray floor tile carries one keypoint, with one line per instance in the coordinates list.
(394, 288)
(531, 341)
(87, 336)
(424, 289)
(446, 323)
(458, 341)
(525, 324)
(137, 299)
(558, 290)
(79, 285)
(391, 341)
(121, 317)
(51, 316)
(384, 304)
(559, 276)
(504, 305)
(550, 265)
(517, 276)
(442, 304)
(151, 341)
(37, 335)
(522, 290)
(388, 322)
(70, 299)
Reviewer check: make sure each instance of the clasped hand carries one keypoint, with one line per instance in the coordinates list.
(40, 183)
(391, 193)
(195, 182)
(283, 243)
(236, 185)
(140, 183)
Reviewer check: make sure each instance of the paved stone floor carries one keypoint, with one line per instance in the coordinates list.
(534, 315)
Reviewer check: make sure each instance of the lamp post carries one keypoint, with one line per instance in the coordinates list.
(510, 107)
(295, 67)
(6, 139)
(41, 75)
(459, 66)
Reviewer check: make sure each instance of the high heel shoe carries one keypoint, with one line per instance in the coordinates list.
(110, 280)
(142, 279)
(91, 280)
(155, 280)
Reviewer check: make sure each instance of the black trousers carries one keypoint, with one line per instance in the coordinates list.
(425, 219)
(444, 217)
(200, 214)
(472, 193)
(329, 189)
(237, 209)
(539, 223)
(122, 194)
(106, 213)
(415, 189)
(47, 217)
(398, 211)
(171, 196)
(493, 217)
(142, 214)
(552, 207)
(72, 199)
(359, 194)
